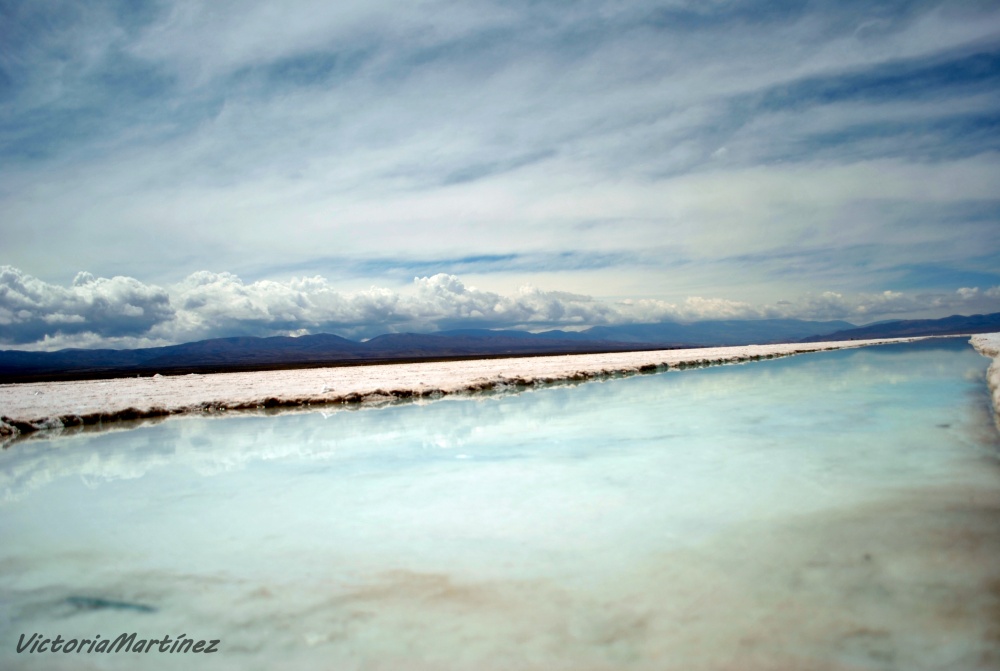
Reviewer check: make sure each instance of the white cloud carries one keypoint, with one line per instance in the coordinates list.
(968, 292)
(447, 297)
(109, 308)
(123, 312)
(858, 308)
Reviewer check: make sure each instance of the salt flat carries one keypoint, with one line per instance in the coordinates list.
(988, 344)
(834, 511)
(28, 407)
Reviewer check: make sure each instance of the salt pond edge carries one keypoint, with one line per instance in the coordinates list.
(988, 344)
(38, 406)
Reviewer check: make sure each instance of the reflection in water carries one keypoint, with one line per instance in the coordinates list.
(833, 510)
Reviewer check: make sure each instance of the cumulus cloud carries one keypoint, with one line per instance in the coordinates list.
(222, 304)
(693, 308)
(971, 293)
(859, 308)
(124, 312)
(968, 292)
(31, 309)
(868, 307)
(450, 301)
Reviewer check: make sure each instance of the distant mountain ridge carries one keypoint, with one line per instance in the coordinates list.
(253, 353)
(953, 325)
(704, 333)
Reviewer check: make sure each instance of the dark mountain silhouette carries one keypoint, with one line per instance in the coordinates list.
(704, 333)
(720, 332)
(953, 325)
(248, 353)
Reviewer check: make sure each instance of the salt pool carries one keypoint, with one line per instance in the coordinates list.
(836, 510)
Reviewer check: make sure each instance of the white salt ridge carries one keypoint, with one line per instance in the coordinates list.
(36, 406)
(988, 344)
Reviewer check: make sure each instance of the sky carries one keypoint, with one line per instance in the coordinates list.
(178, 170)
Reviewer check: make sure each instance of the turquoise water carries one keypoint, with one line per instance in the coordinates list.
(834, 510)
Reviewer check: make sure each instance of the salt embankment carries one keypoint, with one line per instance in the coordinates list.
(988, 344)
(29, 407)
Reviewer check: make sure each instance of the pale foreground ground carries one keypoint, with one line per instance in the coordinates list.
(28, 407)
(988, 344)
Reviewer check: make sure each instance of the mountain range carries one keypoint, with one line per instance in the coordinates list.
(252, 353)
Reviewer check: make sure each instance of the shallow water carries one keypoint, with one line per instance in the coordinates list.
(837, 510)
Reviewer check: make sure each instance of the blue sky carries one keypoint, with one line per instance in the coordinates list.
(177, 170)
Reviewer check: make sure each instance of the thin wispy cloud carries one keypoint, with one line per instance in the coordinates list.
(749, 153)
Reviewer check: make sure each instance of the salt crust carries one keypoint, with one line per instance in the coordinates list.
(29, 407)
(988, 344)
